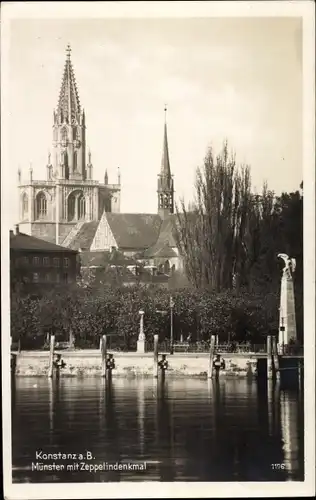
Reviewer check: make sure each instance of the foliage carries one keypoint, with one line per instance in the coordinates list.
(230, 237)
(90, 312)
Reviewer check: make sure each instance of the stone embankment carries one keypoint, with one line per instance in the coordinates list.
(87, 363)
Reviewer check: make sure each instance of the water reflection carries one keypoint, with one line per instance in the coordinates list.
(185, 430)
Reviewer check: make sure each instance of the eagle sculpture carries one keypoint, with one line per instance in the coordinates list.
(290, 264)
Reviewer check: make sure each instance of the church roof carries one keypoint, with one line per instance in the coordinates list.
(68, 102)
(165, 243)
(22, 241)
(134, 230)
(85, 235)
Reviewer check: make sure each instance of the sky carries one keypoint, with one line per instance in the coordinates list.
(238, 79)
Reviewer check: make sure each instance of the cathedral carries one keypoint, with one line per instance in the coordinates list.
(72, 209)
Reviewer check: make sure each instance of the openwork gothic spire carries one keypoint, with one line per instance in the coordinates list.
(68, 103)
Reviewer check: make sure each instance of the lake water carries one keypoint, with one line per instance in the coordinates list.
(182, 430)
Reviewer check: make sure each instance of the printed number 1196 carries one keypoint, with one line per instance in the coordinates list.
(278, 466)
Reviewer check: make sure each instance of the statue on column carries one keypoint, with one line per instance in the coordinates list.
(290, 265)
(287, 321)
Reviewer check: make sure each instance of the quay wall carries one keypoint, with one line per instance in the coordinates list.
(87, 363)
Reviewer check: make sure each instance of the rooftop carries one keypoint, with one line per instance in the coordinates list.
(22, 241)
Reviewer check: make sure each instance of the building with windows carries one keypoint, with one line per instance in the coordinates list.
(79, 213)
(35, 263)
(69, 195)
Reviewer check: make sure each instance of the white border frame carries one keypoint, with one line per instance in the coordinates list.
(76, 10)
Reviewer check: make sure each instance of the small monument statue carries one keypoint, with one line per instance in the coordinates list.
(287, 322)
(141, 336)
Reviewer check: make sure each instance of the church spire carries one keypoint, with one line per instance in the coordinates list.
(165, 181)
(69, 136)
(165, 163)
(68, 103)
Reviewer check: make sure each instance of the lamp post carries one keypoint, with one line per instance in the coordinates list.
(171, 324)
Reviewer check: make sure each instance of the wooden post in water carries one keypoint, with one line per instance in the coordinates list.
(210, 361)
(276, 358)
(155, 356)
(103, 354)
(51, 356)
(269, 357)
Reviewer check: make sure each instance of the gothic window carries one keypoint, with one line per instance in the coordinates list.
(71, 207)
(75, 161)
(25, 205)
(76, 206)
(81, 206)
(161, 201)
(166, 201)
(170, 201)
(41, 206)
(64, 135)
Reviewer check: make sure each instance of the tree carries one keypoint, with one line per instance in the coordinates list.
(212, 237)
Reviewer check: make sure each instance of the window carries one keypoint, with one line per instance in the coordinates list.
(46, 261)
(36, 261)
(64, 135)
(56, 261)
(25, 260)
(25, 205)
(41, 206)
(65, 278)
(66, 262)
(76, 206)
(57, 278)
(35, 277)
(81, 207)
(47, 277)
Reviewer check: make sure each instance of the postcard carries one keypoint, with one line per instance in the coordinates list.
(158, 249)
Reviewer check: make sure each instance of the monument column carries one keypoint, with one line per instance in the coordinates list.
(287, 321)
(141, 336)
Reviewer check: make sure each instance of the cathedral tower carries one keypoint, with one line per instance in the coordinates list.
(69, 138)
(51, 209)
(165, 180)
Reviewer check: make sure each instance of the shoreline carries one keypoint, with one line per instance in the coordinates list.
(83, 364)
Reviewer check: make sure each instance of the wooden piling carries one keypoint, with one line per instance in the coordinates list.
(269, 358)
(51, 356)
(210, 362)
(103, 355)
(275, 358)
(155, 356)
